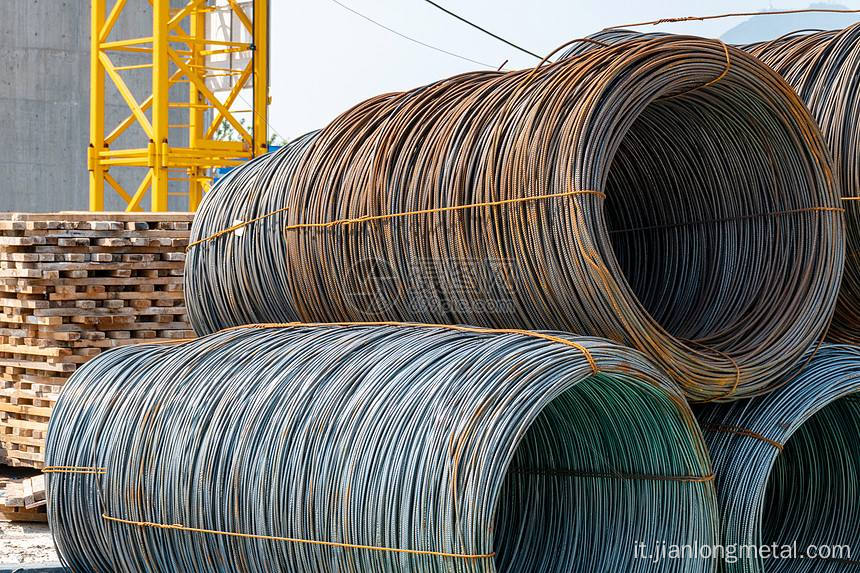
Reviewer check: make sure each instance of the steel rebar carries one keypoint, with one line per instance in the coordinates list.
(788, 467)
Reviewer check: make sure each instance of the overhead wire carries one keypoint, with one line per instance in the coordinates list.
(484, 30)
(410, 38)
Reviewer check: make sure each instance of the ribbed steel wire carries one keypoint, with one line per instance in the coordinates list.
(717, 249)
(824, 70)
(788, 466)
(250, 287)
(418, 438)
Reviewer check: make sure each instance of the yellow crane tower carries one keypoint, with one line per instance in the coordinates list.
(179, 52)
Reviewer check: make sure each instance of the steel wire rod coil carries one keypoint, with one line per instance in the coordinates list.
(249, 288)
(788, 467)
(824, 70)
(392, 447)
(673, 195)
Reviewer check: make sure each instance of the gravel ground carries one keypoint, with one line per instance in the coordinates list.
(25, 543)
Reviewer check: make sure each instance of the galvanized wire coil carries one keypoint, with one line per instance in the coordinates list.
(672, 195)
(504, 450)
(824, 70)
(788, 466)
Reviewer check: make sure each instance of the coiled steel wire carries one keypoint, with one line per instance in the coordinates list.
(824, 70)
(249, 287)
(673, 195)
(788, 467)
(506, 451)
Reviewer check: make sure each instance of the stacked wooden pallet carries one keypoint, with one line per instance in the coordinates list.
(71, 286)
(23, 499)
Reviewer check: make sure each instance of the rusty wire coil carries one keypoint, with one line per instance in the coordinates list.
(671, 194)
(376, 448)
(824, 70)
(788, 468)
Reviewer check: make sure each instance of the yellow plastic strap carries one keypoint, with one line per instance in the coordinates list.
(180, 527)
(74, 470)
(235, 227)
(548, 337)
(369, 218)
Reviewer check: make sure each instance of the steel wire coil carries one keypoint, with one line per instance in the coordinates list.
(824, 70)
(504, 450)
(249, 288)
(788, 467)
(673, 195)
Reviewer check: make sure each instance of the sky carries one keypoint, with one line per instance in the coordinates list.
(324, 58)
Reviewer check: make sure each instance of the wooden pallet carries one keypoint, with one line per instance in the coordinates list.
(71, 286)
(23, 499)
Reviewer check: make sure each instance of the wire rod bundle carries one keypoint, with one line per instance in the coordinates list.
(824, 70)
(788, 466)
(391, 447)
(673, 195)
(250, 288)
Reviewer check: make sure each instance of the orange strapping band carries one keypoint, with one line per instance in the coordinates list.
(74, 470)
(235, 227)
(727, 68)
(737, 430)
(613, 475)
(368, 218)
(582, 349)
(180, 527)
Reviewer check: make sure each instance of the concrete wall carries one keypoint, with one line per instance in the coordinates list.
(44, 101)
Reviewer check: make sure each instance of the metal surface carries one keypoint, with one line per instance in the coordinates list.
(717, 250)
(400, 437)
(787, 465)
(174, 53)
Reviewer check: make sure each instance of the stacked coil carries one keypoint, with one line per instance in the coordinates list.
(824, 70)
(248, 285)
(375, 448)
(670, 194)
(788, 467)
